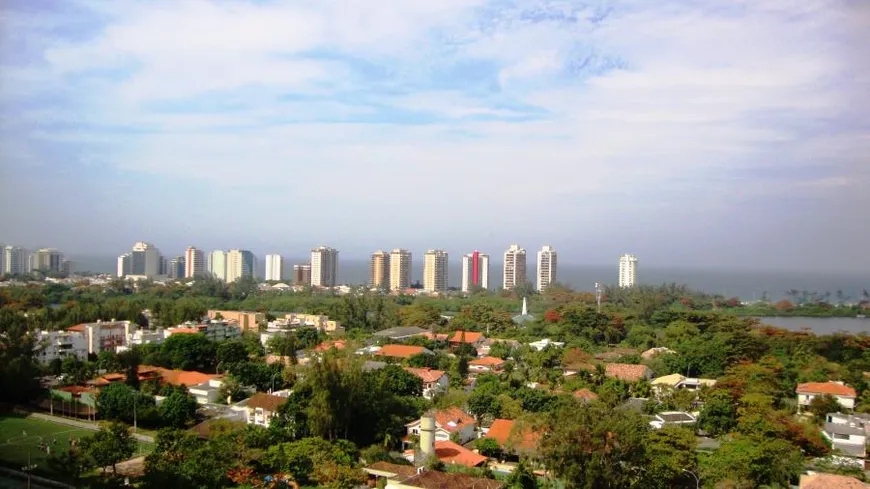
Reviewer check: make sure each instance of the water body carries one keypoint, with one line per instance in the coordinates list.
(820, 326)
(746, 284)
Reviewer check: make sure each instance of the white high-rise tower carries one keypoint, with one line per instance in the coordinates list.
(194, 262)
(475, 271)
(400, 269)
(435, 271)
(627, 270)
(324, 267)
(514, 267)
(546, 268)
(217, 264)
(274, 267)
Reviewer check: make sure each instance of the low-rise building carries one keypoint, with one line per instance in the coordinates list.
(213, 330)
(434, 381)
(546, 342)
(677, 381)
(61, 344)
(486, 365)
(848, 436)
(472, 338)
(146, 337)
(318, 321)
(206, 392)
(627, 372)
(105, 335)
(513, 438)
(447, 422)
(830, 481)
(671, 418)
(400, 332)
(402, 351)
(844, 394)
(245, 319)
(431, 479)
(261, 407)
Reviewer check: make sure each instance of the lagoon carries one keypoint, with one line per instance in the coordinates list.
(820, 326)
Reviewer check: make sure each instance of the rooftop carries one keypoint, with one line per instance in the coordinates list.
(266, 402)
(431, 479)
(585, 394)
(831, 481)
(832, 388)
(487, 362)
(384, 468)
(627, 372)
(401, 351)
(427, 375)
(502, 431)
(453, 453)
(465, 337)
(400, 332)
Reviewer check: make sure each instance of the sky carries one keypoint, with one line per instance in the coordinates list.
(726, 134)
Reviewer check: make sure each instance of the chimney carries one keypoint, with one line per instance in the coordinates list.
(427, 436)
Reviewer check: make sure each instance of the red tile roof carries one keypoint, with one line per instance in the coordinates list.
(832, 388)
(183, 330)
(266, 402)
(403, 471)
(328, 345)
(432, 479)
(400, 351)
(470, 337)
(452, 453)
(487, 362)
(178, 377)
(78, 327)
(453, 419)
(427, 375)
(627, 372)
(502, 431)
(585, 394)
(831, 481)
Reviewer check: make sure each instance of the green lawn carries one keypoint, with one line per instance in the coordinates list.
(21, 437)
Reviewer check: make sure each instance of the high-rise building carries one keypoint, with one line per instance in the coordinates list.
(435, 271)
(176, 267)
(47, 260)
(546, 268)
(514, 267)
(302, 274)
(380, 270)
(217, 264)
(400, 269)
(240, 263)
(67, 267)
(14, 260)
(475, 271)
(194, 262)
(324, 266)
(145, 260)
(274, 267)
(627, 270)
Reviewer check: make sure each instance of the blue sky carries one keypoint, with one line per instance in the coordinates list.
(729, 133)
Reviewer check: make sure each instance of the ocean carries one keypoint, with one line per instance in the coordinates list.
(746, 284)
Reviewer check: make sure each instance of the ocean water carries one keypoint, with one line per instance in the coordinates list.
(745, 284)
(820, 326)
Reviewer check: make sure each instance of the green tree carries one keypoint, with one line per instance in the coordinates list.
(756, 461)
(177, 409)
(422, 360)
(422, 315)
(116, 402)
(522, 477)
(71, 463)
(231, 352)
(109, 446)
(719, 415)
(398, 381)
(820, 406)
(488, 447)
(19, 371)
(670, 452)
(189, 352)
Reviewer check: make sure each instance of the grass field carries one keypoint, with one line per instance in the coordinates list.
(21, 436)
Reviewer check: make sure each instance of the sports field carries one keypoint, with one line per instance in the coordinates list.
(20, 436)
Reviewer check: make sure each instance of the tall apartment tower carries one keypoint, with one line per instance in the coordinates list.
(435, 271)
(274, 267)
(475, 271)
(14, 261)
(380, 270)
(324, 267)
(400, 269)
(194, 262)
(177, 267)
(47, 260)
(217, 264)
(302, 274)
(546, 268)
(627, 270)
(143, 260)
(514, 267)
(240, 263)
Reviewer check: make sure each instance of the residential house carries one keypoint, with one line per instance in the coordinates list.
(671, 418)
(486, 364)
(470, 337)
(261, 407)
(318, 321)
(487, 344)
(402, 351)
(540, 345)
(213, 330)
(330, 345)
(400, 333)
(105, 335)
(513, 438)
(844, 394)
(677, 381)
(848, 435)
(146, 337)
(627, 372)
(434, 381)
(247, 320)
(389, 472)
(206, 392)
(449, 422)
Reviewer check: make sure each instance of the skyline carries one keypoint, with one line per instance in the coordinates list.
(692, 134)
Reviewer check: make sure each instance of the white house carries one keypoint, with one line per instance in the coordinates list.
(261, 407)
(434, 381)
(105, 335)
(671, 418)
(206, 392)
(844, 394)
(540, 345)
(848, 435)
(677, 381)
(447, 422)
(61, 344)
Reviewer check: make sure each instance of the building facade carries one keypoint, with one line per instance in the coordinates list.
(514, 267)
(61, 344)
(176, 267)
(47, 260)
(274, 267)
(144, 261)
(14, 260)
(435, 271)
(194, 262)
(324, 267)
(302, 274)
(475, 271)
(217, 264)
(240, 264)
(400, 269)
(627, 270)
(546, 268)
(379, 270)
